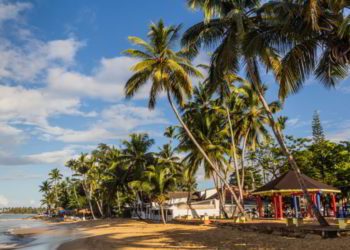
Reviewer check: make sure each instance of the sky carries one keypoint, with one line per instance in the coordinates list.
(62, 75)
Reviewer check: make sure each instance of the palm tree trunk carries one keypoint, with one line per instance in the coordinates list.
(118, 202)
(278, 134)
(88, 197)
(221, 200)
(204, 154)
(243, 156)
(189, 204)
(162, 213)
(76, 196)
(100, 207)
(235, 161)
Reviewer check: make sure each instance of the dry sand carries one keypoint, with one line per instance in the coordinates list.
(132, 234)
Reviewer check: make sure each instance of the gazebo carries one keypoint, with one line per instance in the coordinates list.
(287, 185)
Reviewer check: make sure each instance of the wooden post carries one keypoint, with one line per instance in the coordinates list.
(318, 199)
(280, 202)
(259, 206)
(295, 206)
(309, 209)
(334, 205)
(275, 206)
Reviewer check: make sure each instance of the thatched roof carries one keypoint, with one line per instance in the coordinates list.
(288, 183)
(179, 195)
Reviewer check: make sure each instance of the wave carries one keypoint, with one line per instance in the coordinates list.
(8, 246)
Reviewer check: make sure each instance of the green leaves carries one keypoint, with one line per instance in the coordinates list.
(167, 70)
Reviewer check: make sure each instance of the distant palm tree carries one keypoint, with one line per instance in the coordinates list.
(136, 153)
(161, 180)
(55, 177)
(169, 71)
(45, 188)
(251, 121)
(81, 167)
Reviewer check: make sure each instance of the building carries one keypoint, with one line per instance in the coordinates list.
(202, 203)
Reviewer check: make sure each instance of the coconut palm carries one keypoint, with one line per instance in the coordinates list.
(251, 121)
(313, 38)
(55, 177)
(161, 180)
(168, 71)
(136, 154)
(45, 188)
(81, 167)
(233, 26)
(209, 128)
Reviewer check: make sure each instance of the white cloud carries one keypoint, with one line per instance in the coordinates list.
(127, 117)
(3, 201)
(293, 122)
(115, 122)
(106, 82)
(64, 50)
(11, 11)
(34, 106)
(342, 133)
(30, 61)
(58, 157)
(94, 134)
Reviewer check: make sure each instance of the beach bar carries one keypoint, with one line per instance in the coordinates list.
(283, 197)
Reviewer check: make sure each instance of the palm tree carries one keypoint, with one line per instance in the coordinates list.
(168, 71)
(190, 182)
(209, 127)
(251, 121)
(55, 177)
(166, 156)
(81, 167)
(239, 30)
(161, 180)
(136, 154)
(45, 188)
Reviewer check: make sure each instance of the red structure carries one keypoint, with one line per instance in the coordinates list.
(287, 187)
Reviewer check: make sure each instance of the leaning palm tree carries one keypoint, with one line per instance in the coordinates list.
(168, 71)
(251, 121)
(209, 127)
(238, 29)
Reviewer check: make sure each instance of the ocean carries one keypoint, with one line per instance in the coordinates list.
(54, 237)
(8, 222)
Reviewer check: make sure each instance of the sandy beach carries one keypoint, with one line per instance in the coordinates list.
(132, 234)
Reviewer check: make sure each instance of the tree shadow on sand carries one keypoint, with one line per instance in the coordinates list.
(129, 234)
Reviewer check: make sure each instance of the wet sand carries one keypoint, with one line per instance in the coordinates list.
(49, 236)
(133, 234)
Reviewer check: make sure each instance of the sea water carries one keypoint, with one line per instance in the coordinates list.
(9, 222)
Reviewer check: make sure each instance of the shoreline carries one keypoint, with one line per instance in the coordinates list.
(129, 234)
(50, 235)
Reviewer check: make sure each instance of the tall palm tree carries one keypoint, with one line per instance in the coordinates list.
(45, 188)
(81, 167)
(210, 130)
(251, 121)
(55, 177)
(238, 29)
(168, 71)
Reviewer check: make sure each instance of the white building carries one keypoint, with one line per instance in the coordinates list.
(204, 202)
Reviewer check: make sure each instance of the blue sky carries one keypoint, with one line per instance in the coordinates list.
(61, 90)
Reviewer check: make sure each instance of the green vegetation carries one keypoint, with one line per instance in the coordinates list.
(21, 210)
(226, 120)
